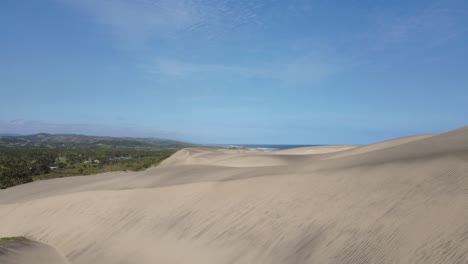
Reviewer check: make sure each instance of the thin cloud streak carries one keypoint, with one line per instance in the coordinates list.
(138, 21)
(304, 70)
(429, 27)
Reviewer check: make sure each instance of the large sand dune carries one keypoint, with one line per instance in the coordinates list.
(400, 201)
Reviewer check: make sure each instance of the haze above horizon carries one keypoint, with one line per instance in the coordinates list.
(247, 72)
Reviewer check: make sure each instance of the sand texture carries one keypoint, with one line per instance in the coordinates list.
(26, 251)
(398, 201)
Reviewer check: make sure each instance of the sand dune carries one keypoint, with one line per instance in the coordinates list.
(315, 150)
(26, 251)
(400, 201)
(380, 145)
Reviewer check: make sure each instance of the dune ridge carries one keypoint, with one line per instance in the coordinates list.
(399, 201)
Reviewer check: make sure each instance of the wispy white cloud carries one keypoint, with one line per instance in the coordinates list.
(175, 68)
(305, 69)
(138, 21)
(429, 27)
(223, 98)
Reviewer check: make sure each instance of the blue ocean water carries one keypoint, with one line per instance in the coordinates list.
(262, 147)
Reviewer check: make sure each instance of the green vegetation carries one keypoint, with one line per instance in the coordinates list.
(27, 158)
(19, 238)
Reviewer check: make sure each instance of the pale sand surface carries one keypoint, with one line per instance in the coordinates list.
(381, 145)
(399, 201)
(315, 150)
(26, 251)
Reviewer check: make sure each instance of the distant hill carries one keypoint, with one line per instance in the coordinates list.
(70, 140)
(8, 134)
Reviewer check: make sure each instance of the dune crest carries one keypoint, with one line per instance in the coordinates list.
(400, 201)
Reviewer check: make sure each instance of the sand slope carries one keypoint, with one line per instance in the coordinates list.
(29, 252)
(315, 150)
(404, 201)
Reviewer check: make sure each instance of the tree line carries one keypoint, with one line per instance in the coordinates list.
(22, 164)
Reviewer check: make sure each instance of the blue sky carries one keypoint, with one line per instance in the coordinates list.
(234, 71)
